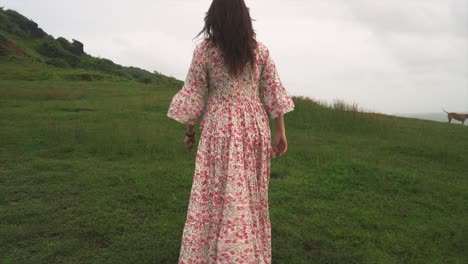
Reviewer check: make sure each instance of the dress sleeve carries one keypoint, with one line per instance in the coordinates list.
(274, 96)
(188, 103)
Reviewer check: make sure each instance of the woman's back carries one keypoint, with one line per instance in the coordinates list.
(258, 86)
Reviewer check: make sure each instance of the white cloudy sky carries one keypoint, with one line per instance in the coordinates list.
(389, 56)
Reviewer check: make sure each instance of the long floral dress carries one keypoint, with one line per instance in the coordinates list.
(228, 215)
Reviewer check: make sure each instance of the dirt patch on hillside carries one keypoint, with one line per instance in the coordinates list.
(10, 46)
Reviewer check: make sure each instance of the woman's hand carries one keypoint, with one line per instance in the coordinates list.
(280, 145)
(189, 142)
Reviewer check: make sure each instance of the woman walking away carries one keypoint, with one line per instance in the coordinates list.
(228, 215)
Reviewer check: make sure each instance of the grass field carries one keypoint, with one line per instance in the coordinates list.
(94, 172)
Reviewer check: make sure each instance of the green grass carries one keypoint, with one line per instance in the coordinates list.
(111, 184)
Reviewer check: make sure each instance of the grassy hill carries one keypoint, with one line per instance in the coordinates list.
(440, 117)
(92, 171)
(22, 40)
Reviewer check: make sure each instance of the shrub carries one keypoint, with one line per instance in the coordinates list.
(84, 76)
(146, 80)
(64, 43)
(54, 49)
(57, 62)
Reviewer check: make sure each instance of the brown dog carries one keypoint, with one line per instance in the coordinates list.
(456, 116)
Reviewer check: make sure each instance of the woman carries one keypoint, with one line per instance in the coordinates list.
(228, 214)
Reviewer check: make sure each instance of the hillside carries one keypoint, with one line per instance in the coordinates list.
(93, 171)
(22, 40)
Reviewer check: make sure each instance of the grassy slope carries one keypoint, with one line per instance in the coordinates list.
(112, 185)
(22, 41)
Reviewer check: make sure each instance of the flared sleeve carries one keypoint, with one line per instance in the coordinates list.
(188, 103)
(273, 94)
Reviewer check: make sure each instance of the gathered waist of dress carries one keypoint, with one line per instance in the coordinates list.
(236, 96)
(223, 111)
(224, 107)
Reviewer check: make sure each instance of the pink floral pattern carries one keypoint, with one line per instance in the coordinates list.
(228, 215)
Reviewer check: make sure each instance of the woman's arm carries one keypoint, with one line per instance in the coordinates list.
(279, 125)
(280, 145)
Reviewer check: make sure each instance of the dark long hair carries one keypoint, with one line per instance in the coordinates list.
(229, 26)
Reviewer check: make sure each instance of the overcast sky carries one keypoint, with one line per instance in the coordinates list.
(388, 56)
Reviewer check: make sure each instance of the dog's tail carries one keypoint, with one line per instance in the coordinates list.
(445, 111)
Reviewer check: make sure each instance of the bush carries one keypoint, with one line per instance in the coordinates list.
(146, 80)
(84, 76)
(54, 49)
(64, 43)
(57, 62)
(141, 75)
